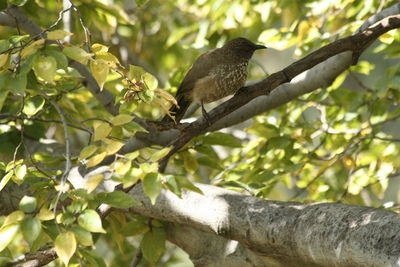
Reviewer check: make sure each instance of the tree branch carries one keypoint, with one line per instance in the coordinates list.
(288, 233)
(356, 44)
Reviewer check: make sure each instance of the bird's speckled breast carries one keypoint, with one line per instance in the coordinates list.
(224, 80)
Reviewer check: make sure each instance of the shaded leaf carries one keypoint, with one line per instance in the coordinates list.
(153, 245)
(31, 228)
(121, 119)
(117, 199)
(222, 139)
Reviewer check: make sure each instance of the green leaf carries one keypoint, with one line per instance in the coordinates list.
(152, 186)
(31, 228)
(62, 61)
(100, 71)
(222, 139)
(184, 182)
(96, 159)
(33, 105)
(173, 185)
(28, 204)
(91, 221)
(150, 81)
(7, 234)
(102, 131)
(4, 45)
(58, 35)
(87, 151)
(117, 199)
(77, 54)
(93, 258)
(84, 237)
(160, 153)
(3, 5)
(121, 119)
(45, 67)
(17, 2)
(133, 228)
(65, 246)
(135, 73)
(16, 83)
(153, 245)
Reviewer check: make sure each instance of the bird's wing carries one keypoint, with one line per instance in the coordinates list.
(201, 68)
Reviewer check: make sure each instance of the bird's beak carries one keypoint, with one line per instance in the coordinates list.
(261, 47)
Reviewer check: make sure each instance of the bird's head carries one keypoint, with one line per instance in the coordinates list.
(243, 46)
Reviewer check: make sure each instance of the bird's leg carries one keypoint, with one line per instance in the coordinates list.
(205, 115)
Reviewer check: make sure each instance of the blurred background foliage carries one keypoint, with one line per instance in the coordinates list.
(335, 144)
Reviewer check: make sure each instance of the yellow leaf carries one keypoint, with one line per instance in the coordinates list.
(113, 147)
(102, 130)
(189, 162)
(13, 217)
(122, 167)
(107, 58)
(87, 151)
(32, 48)
(45, 214)
(58, 35)
(93, 182)
(7, 234)
(96, 159)
(45, 67)
(65, 246)
(77, 54)
(121, 119)
(160, 154)
(99, 71)
(97, 48)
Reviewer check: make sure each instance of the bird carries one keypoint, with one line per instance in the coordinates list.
(215, 74)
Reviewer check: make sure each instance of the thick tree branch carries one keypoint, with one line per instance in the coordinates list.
(289, 234)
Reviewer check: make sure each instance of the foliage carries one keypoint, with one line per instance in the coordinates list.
(335, 144)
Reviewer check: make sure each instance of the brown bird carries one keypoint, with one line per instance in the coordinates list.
(215, 74)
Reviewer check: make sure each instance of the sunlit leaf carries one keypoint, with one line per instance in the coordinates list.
(121, 119)
(160, 153)
(45, 67)
(65, 246)
(77, 54)
(15, 216)
(113, 147)
(7, 234)
(58, 35)
(33, 105)
(5, 179)
(93, 181)
(102, 131)
(87, 151)
(99, 71)
(91, 221)
(152, 186)
(96, 159)
(45, 214)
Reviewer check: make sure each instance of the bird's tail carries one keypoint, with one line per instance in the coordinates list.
(178, 111)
